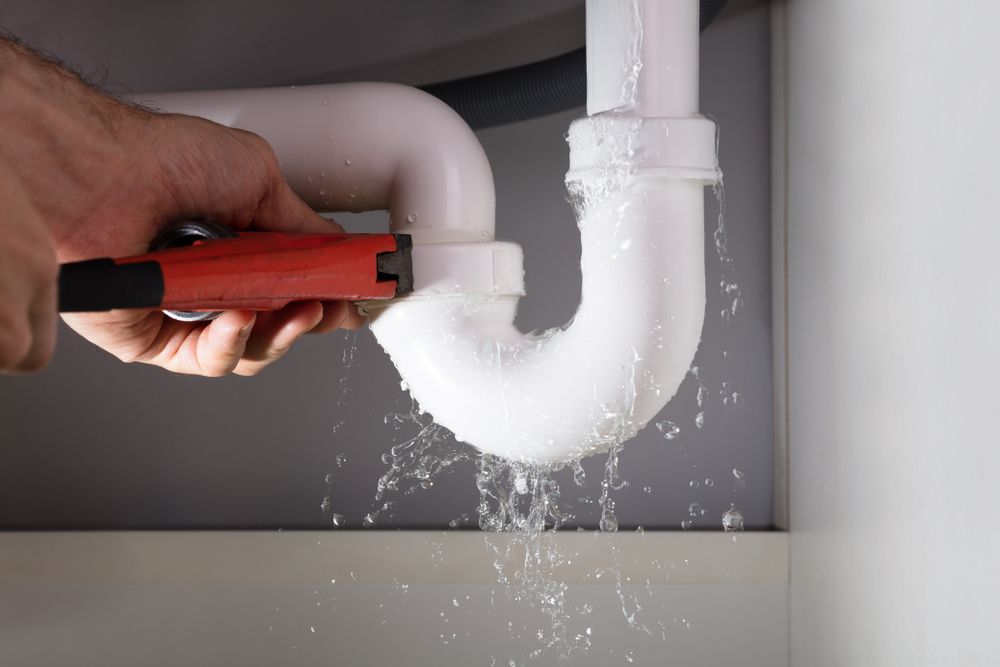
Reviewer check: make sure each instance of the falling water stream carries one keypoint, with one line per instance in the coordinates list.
(522, 502)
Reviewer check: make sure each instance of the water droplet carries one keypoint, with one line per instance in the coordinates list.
(411, 218)
(738, 474)
(369, 520)
(348, 161)
(732, 520)
(668, 429)
(685, 525)
(341, 460)
(709, 481)
(694, 484)
(521, 484)
(695, 509)
(325, 103)
(312, 628)
(337, 520)
(699, 419)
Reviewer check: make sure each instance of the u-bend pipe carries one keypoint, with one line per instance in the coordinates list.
(637, 173)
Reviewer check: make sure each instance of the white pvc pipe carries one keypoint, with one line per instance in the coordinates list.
(583, 388)
(642, 57)
(363, 147)
(637, 176)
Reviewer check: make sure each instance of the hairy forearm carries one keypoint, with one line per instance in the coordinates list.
(29, 65)
(58, 132)
(33, 85)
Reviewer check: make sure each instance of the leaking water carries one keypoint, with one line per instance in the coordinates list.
(524, 502)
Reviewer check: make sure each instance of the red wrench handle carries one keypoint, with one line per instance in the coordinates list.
(253, 271)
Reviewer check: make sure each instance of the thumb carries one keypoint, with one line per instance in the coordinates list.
(281, 210)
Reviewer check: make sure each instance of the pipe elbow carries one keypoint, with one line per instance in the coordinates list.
(579, 389)
(366, 146)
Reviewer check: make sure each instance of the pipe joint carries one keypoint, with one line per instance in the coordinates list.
(609, 144)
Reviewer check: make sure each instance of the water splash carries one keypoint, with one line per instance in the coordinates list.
(669, 429)
(522, 500)
(414, 463)
(732, 520)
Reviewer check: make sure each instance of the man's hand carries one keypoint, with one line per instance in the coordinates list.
(105, 177)
(27, 281)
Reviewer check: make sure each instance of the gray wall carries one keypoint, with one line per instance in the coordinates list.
(91, 442)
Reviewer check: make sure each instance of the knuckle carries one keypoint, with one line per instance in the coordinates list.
(276, 353)
(259, 144)
(216, 368)
(36, 361)
(128, 356)
(15, 343)
(249, 370)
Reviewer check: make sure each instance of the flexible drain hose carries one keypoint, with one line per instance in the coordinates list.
(529, 91)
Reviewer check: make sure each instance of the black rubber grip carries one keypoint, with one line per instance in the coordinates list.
(97, 285)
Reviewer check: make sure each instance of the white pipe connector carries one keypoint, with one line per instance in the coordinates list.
(638, 166)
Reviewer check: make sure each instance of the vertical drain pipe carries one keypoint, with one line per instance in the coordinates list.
(642, 57)
(638, 166)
